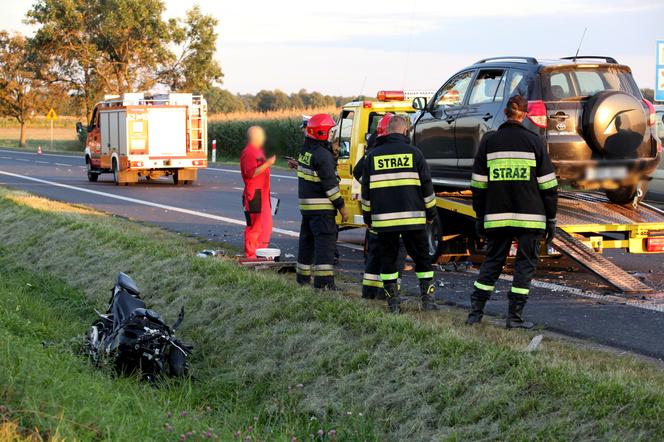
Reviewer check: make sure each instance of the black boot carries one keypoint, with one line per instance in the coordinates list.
(392, 294)
(427, 289)
(477, 302)
(303, 280)
(514, 316)
(369, 292)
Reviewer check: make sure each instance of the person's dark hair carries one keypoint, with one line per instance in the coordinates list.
(515, 105)
(398, 124)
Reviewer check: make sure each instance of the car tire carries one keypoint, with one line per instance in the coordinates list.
(92, 175)
(625, 196)
(434, 232)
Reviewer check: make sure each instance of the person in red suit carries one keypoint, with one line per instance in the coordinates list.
(255, 168)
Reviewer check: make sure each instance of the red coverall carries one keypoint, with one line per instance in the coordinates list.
(256, 200)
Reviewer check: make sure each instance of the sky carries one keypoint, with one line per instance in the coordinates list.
(357, 47)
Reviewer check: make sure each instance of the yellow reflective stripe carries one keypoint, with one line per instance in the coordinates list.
(394, 183)
(511, 154)
(389, 276)
(332, 191)
(515, 223)
(424, 275)
(372, 283)
(479, 177)
(317, 207)
(366, 208)
(399, 222)
(520, 291)
(486, 288)
(306, 177)
(303, 269)
(548, 184)
(335, 196)
(430, 204)
(511, 162)
(323, 272)
(479, 184)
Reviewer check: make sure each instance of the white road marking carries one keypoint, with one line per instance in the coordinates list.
(63, 164)
(44, 154)
(22, 159)
(42, 162)
(224, 219)
(272, 175)
(6, 158)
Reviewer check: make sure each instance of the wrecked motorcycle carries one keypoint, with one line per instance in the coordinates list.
(132, 338)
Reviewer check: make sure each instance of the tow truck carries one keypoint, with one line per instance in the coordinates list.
(137, 135)
(588, 223)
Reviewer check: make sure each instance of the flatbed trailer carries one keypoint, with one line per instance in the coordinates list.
(587, 225)
(587, 222)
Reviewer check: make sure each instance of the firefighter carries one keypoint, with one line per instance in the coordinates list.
(255, 170)
(398, 200)
(319, 198)
(372, 286)
(515, 197)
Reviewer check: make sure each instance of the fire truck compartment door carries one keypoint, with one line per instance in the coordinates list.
(113, 128)
(167, 131)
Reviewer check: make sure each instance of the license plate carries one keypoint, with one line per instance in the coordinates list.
(606, 173)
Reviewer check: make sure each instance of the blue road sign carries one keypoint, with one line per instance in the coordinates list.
(659, 69)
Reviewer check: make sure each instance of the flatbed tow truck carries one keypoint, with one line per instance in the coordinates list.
(588, 223)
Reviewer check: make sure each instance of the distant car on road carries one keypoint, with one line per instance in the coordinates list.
(657, 183)
(599, 129)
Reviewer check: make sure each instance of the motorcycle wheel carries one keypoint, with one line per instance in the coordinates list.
(94, 341)
(177, 363)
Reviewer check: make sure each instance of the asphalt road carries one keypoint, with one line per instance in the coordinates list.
(564, 299)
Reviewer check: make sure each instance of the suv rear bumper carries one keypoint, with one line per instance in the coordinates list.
(575, 173)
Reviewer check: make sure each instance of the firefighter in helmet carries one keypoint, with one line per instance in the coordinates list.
(515, 197)
(397, 202)
(319, 200)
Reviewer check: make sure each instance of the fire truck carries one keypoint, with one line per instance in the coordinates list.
(588, 222)
(137, 135)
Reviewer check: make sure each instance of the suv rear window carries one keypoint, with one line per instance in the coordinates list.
(577, 83)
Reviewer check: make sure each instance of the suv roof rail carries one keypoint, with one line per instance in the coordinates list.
(598, 57)
(531, 60)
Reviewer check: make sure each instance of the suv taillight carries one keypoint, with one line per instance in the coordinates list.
(537, 113)
(652, 116)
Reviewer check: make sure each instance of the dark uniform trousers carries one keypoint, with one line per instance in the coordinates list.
(318, 237)
(372, 285)
(499, 244)
(417, 247)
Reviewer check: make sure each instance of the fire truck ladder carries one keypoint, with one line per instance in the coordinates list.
(196, 126)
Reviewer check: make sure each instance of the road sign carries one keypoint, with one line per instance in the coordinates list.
(51, 115)
(659, 69)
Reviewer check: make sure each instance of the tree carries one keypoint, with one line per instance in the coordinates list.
(221, 101)
(195, 67)
(22, 92)
(115, 46)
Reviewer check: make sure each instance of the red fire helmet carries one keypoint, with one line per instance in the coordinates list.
(319, 126)
(381, 129)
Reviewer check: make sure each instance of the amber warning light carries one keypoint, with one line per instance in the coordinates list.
(391, 96)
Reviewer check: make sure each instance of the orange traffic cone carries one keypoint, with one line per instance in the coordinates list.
(39, 151)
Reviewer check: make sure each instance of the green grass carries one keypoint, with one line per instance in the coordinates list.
(62, 146)
(284, 360)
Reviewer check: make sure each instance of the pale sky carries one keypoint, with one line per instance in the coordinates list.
(349, 47)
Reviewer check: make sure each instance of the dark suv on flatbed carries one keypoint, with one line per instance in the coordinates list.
(599, 129)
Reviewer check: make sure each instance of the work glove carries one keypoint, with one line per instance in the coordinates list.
(550, 230)
(479, 228)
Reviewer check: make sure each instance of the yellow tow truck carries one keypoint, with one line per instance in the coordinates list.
(587, 222)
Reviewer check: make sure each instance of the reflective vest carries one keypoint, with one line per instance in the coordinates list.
(514, 183)
(397, 193)
(318, 186)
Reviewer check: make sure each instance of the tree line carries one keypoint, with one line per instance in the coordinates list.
(83, 49)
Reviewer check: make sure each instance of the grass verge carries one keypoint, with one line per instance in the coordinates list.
(274, 361)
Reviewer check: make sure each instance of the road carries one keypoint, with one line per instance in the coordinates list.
(569, 302)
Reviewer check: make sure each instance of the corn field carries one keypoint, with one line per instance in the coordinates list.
(283, 129)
